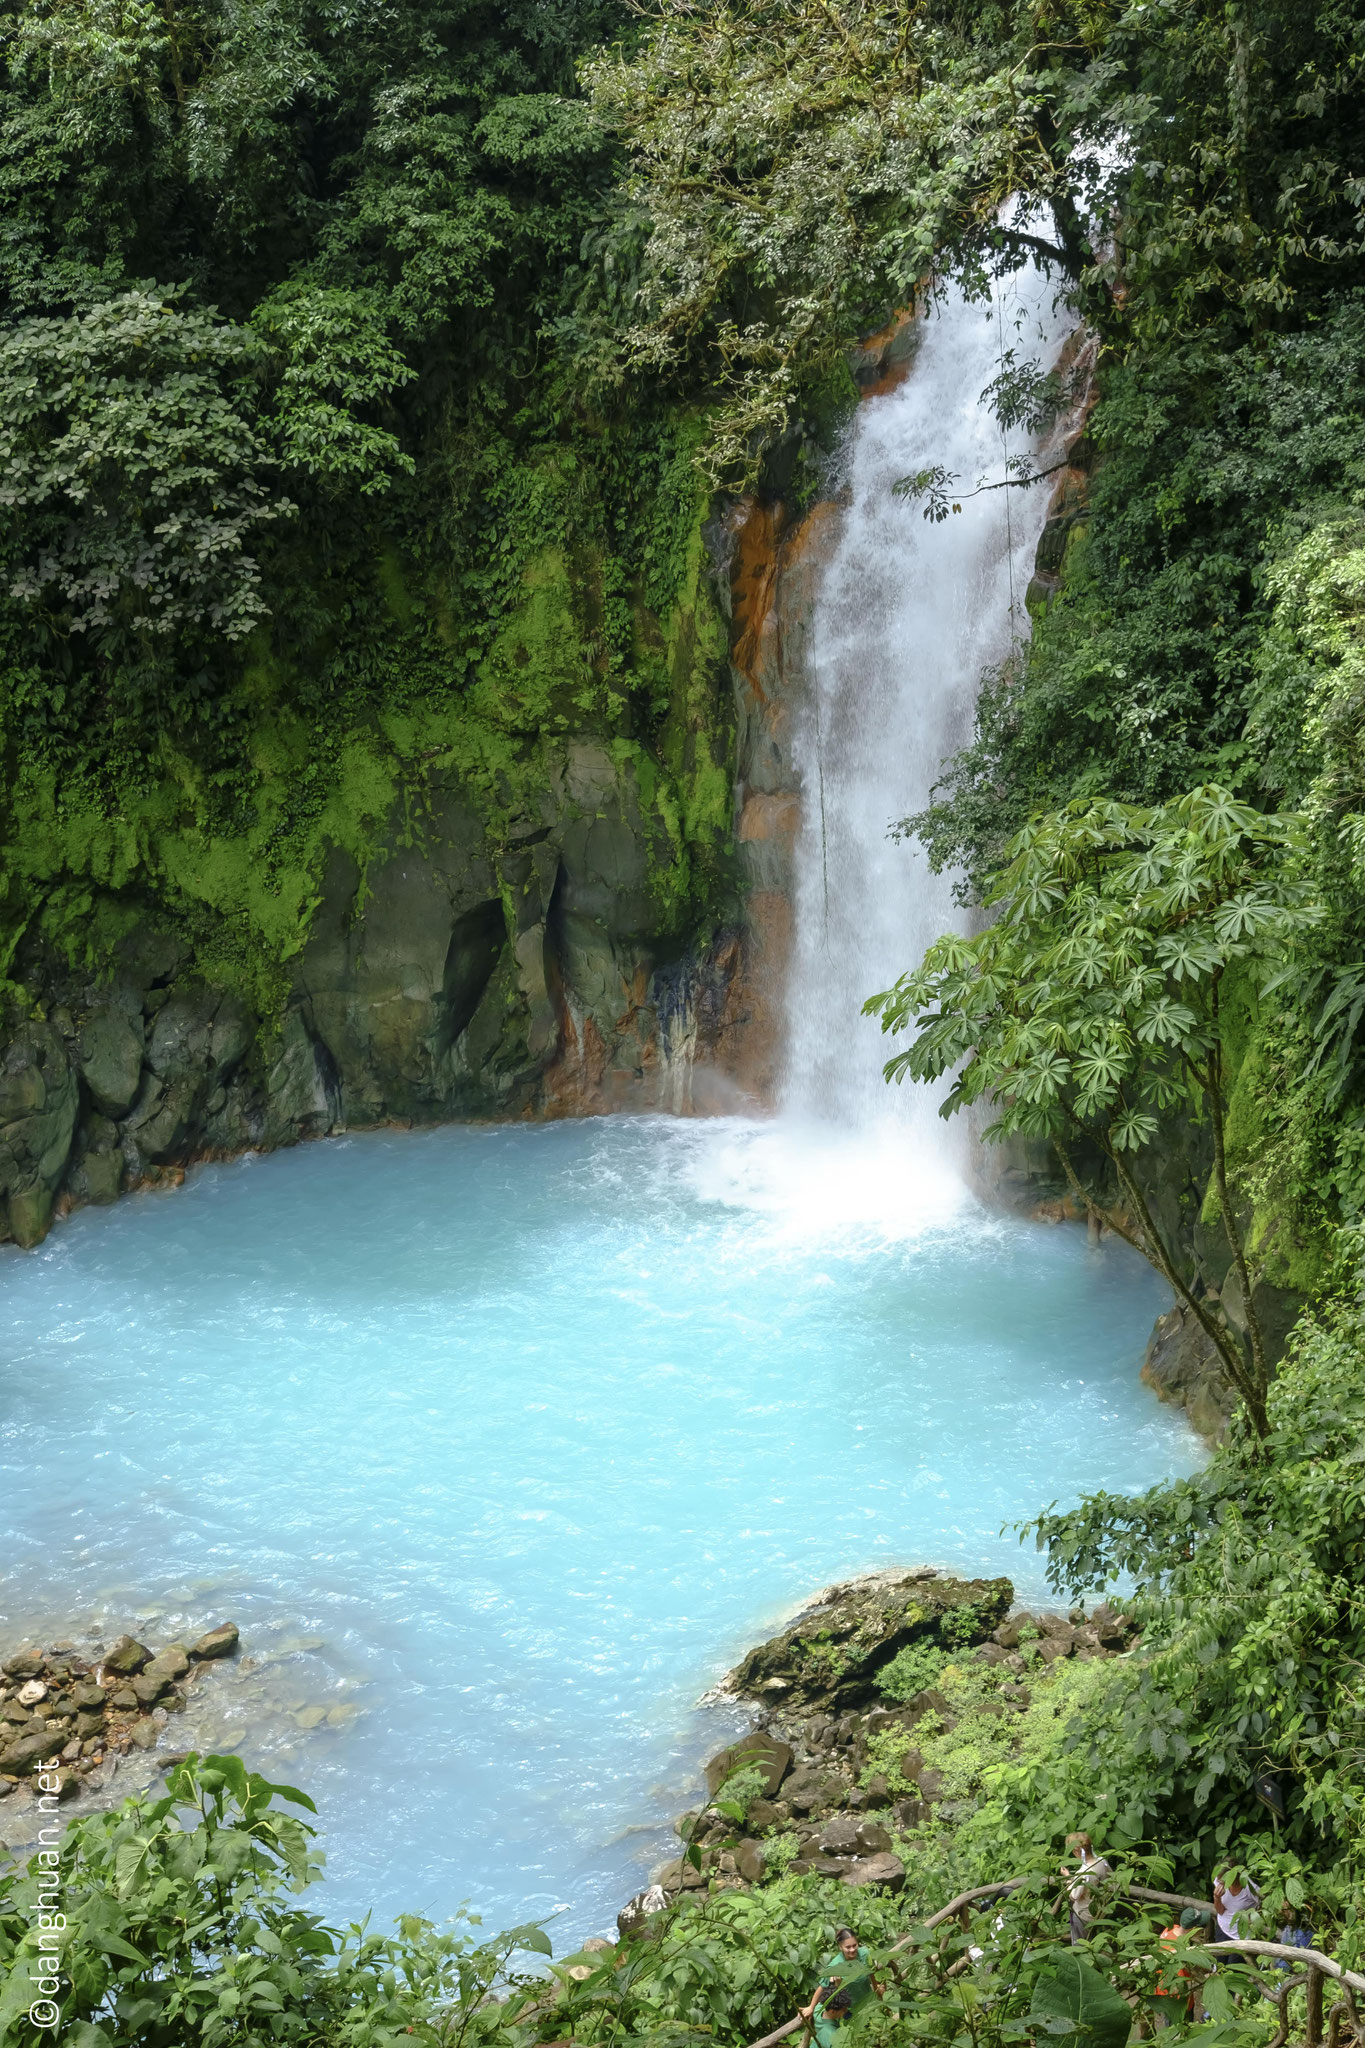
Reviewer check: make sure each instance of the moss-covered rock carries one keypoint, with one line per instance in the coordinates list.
(832, 1653)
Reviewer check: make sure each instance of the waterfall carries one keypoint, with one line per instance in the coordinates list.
(909, 613)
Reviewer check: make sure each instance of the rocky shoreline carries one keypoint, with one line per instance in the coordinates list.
(839, 1776)
(833, 1778)
(72, 1715)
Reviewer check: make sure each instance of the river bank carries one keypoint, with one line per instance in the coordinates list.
(878, 1711)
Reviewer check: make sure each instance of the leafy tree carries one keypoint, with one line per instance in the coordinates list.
(802, 179)
(1247, 1578)
(133, 476)
(1091, 1005)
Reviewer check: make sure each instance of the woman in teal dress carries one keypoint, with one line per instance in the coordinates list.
(846, 1982)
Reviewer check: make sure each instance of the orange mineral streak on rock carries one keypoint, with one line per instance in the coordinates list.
(776, 571)
(769, 817)
(883, 359)
(753, 585)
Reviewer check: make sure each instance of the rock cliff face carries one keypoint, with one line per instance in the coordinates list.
(536, 974)
(454, 978)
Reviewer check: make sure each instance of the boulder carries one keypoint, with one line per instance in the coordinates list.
(24, 1664)
(764, 1814)
(125, 1700)
(88, 1698)
(126, 1657)
(761, 1751)
(148, 1687)
(820, 1866)
(832, 1654)
(634, 1917)
(31, 1750)
(219, 1642)
(169, 1664)
(31, 1692)
(911, 1764)
(749, 1861)
(809, 1790)
(872, 1839)
(883, 1872)
(110, 1059)
(39, 1101)
(144, 1734)
(839, 1836)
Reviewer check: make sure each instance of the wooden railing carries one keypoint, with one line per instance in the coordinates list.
(1311, 1961)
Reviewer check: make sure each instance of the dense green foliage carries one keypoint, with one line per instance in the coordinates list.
(180, 1923)
(300, 499)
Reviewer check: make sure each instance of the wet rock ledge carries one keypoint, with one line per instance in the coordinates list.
(73, 1715)
(831, 1780)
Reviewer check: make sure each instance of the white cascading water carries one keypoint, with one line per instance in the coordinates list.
(909, 613)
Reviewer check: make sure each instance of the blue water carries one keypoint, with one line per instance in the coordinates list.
(501, 1444)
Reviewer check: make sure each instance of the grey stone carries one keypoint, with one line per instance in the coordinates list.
(872, 1838)
(883, 1872)
(820, 1866)
(749, 1861)
(30, 1750)
(110, 1059)
(169, 1664)
(839, 1836)
(634, 1917)
(126, 1656)
(23, 1664)
(760, 1751)
(218, 1642)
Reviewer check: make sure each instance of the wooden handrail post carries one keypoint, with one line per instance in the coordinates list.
(1314, 2007)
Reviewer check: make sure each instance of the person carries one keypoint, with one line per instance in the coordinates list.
(1233, 1895)
(846, 1982)
(1167, 1940)
(1092, 1868)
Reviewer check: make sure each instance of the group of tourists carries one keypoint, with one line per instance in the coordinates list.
(847, 1981)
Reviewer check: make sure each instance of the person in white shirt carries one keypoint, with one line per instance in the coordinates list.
(1233, 1895)
(1091, 1869)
